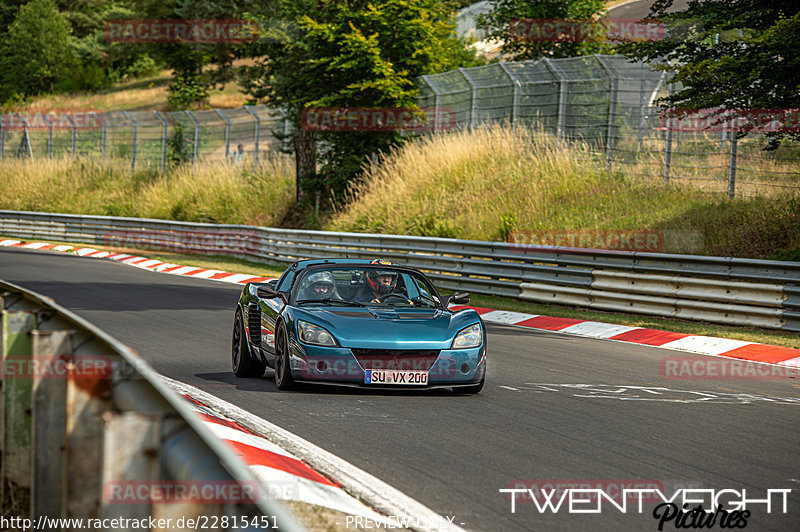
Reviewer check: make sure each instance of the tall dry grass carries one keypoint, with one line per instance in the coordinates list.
(487, 183)
(219, 193)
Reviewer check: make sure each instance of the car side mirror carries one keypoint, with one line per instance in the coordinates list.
(267, 292)
(459, 298)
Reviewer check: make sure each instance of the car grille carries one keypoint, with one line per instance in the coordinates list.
(395, 359)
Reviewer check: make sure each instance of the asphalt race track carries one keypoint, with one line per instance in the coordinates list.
(453, 453)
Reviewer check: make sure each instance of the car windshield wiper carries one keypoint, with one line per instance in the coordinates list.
(328, 300)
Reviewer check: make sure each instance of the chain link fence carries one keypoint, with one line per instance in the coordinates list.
(602, 100)
(610, 104)
(146, 138)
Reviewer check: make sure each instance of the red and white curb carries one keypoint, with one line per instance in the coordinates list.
(291, 468)
(697, 344)
(142, 262)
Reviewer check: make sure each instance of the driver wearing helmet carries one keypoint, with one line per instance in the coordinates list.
(320, 285)
(380, 283)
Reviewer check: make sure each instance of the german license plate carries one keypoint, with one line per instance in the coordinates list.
(392, 376)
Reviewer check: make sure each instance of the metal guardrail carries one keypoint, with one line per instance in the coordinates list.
(495, 268)
(81, 416)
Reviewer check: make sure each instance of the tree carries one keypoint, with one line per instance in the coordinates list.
(728, 54)
(501, 24)
(351, 54)
(37, 53)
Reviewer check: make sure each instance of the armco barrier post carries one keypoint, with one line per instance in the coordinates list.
(16, 356)
(49, 425)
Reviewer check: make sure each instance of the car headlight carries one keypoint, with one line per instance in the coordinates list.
(314, 334)
(471, 336)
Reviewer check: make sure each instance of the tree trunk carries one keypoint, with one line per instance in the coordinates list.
(305, 150)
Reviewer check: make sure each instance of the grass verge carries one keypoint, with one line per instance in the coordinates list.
(216, 193)
(748, 334)
(494, 183)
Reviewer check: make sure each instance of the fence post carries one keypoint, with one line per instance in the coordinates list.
(256, 133)
(102, 136)
(74, 130)
(640, 144)
(437, 102)
(732, 166)
(196, 134)
(163, 139)
(562, 97)
(49, 136)
(2, 137)
(667, 151)
(515, 84)
(227, 132)
(26, 140)
(612, 109)
(473, 99)
(133, 141)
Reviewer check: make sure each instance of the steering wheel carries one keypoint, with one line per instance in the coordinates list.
(384, 297)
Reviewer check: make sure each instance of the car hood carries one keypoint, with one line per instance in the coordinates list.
(390, 328)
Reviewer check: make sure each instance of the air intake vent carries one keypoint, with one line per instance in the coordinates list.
(254, 324)
(391, 359)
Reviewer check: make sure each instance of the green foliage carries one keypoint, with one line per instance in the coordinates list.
(728, 54)
(180, 149)
(508, 223)
(36, 55)
(185, 91)
(350, 54)
(506, 12)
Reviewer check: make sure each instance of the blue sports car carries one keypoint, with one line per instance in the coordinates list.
(358, 322)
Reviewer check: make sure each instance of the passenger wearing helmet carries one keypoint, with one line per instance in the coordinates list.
(379, 283)
(320, 285)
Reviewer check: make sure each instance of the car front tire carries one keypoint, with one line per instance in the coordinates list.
(283, 372)
(241, 355)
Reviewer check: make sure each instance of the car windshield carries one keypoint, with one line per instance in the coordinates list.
(366, 286)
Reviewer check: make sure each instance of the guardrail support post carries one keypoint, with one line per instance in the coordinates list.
(49, 423)
(17, 389)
